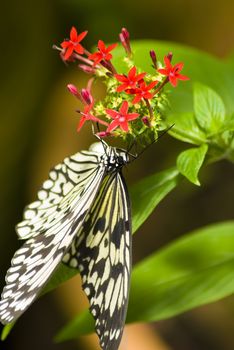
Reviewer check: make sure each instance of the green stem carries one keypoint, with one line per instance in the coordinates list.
(151, 113)
(161, 86)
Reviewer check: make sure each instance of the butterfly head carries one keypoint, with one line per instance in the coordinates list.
(115, 159)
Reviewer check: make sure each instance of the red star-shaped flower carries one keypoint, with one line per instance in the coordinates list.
(73, 44)
(173, 72)
(86, 115)
(102, 54)
(121, 118)
(129, 81)
(143, 91)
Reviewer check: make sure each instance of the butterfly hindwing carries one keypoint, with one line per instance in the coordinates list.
(102, 251)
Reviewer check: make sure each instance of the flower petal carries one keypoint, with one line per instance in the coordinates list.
(140, 76)
(136, 99)
(132, 116)
(111, 47)
(97, 120)
(68, 52)
(65, 44)
(178, 66)
(132, 73)
(173, 80)
(167, 62)
(112, 113)
(73, 34)
(163, 71)
(148, 95)
(113, 125)
(81, 123)
(102, 122)
(81, 36)
(108, 56)
(182, 77)
(96, 57)
(79, 49)
(121, 77)
(152, 85)
(124, 108)
(121, 87)
(101, 46)
(124, 126)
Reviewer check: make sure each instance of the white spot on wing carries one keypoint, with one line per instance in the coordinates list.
(12, 278)
(42, 195)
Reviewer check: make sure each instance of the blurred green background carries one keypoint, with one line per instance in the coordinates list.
(38, 129)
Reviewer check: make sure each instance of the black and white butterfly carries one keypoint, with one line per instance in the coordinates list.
(81, 217)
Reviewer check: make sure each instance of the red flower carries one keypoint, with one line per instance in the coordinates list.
(143, 91)
(86, 115)
(129, 81)
(73, 44)
(103, 53)
(172, 72)
(121, 118)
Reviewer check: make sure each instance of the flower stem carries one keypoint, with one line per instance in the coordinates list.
(149, 108)
(161, 86)
(83, 59)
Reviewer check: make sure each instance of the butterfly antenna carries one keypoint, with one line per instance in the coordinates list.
(155, 140)
(131, 145)
(128, 151)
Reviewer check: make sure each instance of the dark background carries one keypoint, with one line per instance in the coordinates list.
(38, 129)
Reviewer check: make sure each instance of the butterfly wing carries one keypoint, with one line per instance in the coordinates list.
(76, 170)
(102, 252)
(33, 264)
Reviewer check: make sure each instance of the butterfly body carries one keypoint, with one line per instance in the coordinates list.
(81, 217)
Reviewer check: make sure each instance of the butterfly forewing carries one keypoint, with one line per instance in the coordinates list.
(35, 261)
(76, 170)
(102, 251)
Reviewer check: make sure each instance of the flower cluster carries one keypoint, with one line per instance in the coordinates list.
(134, 100)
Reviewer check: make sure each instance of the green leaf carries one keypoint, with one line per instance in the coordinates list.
(228, 125)
(147, 193)
(209, 109)
(194, 270)
(82, 324)
(190, 161)
(186, 128)
(6, 330)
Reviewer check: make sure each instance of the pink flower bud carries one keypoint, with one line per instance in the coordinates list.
(87, 69)
(125, 34)
(103, 134)
(88, 98)
(146, 121)
(73, 89)
(154, 58)
(169, 56)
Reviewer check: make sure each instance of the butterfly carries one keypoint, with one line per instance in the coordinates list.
(82, 217)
